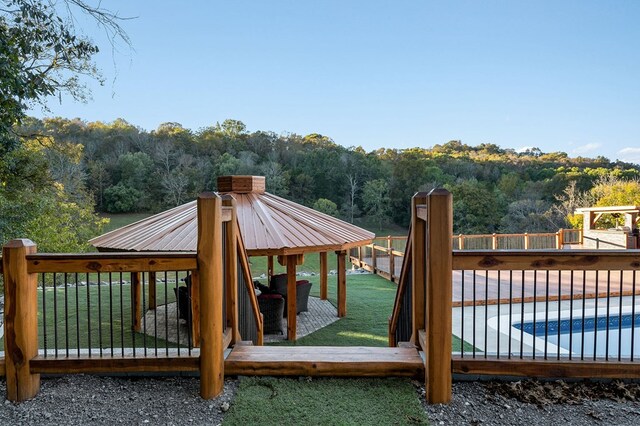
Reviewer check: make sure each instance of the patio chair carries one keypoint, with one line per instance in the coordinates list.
(272, 308)
(303, 287)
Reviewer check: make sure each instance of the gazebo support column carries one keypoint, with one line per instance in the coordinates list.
(291, 298)
(342, 283)
(269, 268)
(152, 290)
(136, 298)
(323, 275)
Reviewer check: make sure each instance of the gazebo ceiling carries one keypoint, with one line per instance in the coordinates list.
(270, 225)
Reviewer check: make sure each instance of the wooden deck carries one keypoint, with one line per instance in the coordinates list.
(493, 287)
(334, 361)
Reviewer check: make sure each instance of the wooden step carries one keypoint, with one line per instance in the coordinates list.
(336, 361)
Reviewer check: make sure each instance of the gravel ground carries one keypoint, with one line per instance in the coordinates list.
(83, 400)
(535, 403)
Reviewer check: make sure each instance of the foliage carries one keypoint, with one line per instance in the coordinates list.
(121, 198)
(375, 196)
(494, 189)
(326, 206)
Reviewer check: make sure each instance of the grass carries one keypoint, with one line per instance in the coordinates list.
(273, 401)
(119, 220)
(86, 324)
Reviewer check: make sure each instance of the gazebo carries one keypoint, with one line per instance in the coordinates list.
(270, 226)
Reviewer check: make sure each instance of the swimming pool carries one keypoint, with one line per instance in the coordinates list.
(589, 335)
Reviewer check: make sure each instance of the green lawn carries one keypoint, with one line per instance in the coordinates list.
(325, 401)
(119, 220)
(107, 327)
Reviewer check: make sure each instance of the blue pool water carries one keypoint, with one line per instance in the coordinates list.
(590, 335)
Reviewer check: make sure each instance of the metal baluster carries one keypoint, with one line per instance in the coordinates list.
(571, 317)
(77, 316)
(111, 311)
(522, 297)
(100, 313)
(620, 320)
(88, 315)
(462, 319)
(44, 314)
(595, 321)
(559, 310)
(473, 336)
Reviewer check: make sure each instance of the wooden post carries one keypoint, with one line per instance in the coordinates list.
(136, 301)
(291, 298)
(20, 320)
(494, 241)
(342, 283)
(392, 264)
(559, 239)
(389, 244)
(461, 242)
(439, 293)
(211, 282)
(269, 269)
(231, 270)
(526, 241)
(195, 308)
(152, 290)
(323, 275)
(373, 258)
(360, 255)
(418, 279)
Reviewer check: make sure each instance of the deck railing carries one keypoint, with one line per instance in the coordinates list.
(129, 312)
(545, 313)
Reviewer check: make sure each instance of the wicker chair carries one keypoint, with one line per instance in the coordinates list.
(303, 287)
(272, 308)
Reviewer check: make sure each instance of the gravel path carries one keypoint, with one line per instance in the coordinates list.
(533, 403)
(83, 400)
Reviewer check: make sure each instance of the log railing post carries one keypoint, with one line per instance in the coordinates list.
(269, 268)
(461, 242)
(211, 281)
(526, 241)
(494, 241)
(20, 320)
(418, 279)
(323, 275)
(392, 265)
(559, 239)
(439, 293)
(342, 283)
(231, 270)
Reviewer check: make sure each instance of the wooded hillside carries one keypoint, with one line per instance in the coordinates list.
(126, 169)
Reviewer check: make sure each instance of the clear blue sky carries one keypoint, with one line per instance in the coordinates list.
(558, 75)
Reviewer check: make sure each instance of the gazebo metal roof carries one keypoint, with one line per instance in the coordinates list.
(270, 225)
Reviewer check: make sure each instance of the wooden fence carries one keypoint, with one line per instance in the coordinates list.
(385, 255)
(543, 290)
(219, 279)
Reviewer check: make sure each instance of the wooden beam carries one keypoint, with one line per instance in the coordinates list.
(195, 308)
(20, 320)
(153, 303)
(291, 299)
(334, 361)
(574, 369)
(94, 365)
(342, 283)
(269, 268)
(323, 275)
(419, 269)
(136, 301)
(547, 260)
(111, 262)
(211, 285)
(231, 270)
(439, 296)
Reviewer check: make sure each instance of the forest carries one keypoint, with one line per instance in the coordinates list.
(75, 169)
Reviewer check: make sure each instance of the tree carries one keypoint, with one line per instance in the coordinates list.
(326, 206)
(375, 196)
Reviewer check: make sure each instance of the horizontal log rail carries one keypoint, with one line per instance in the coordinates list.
(547, 260)
(111, 262)
(546, 368)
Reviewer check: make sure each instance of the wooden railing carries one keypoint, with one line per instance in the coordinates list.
(384, 255)
(218, 274)
(498, 294)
